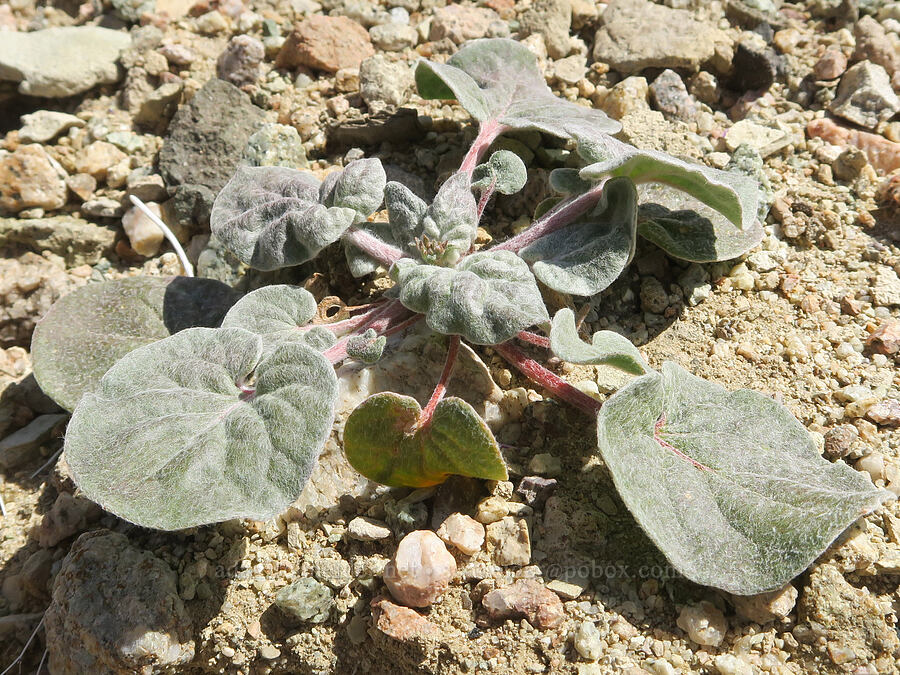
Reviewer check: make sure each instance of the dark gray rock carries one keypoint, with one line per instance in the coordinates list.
(671, 97)
(755, 66)
(115, 609)
(205, 142)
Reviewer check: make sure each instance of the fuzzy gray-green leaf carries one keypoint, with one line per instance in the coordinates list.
(278, 314)
(88, 330)
(733, 195)
(606, 348)
(488, 298)
(367, 347)
(361, 264)
(173, 437)
(729, 486)
(504, 170)
(360, 186)
(587, 256)
(271, 217)
(498, 81)
(569, 182)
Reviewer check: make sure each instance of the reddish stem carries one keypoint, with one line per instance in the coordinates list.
(347, 325)
(441, 387)
(380, 322)
(553, 220)
(485, 198)
(372, 246)
(488, 132)
(534, 338)
(550, 381)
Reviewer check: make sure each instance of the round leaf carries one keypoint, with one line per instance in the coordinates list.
(504, 170)
(383, 441)
(729, 486)
(88, 330)
(175, 437)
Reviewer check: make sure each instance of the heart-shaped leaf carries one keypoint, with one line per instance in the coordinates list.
(488, 298)
(272, 216)
(587, 256)
(733, 195)
(729, 486)
(198, 429)
(384, 441)
(606, 348)
(279, 314)
(85, 332)
(367, 347)
(498, 81)
(360, 187)
(505, 171)
(698, 235)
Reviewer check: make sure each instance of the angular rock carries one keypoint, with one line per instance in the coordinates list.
(865, 96)
(671, 97)
(638, 34)
(17, 448)
(765, 140)
(393, 37)
(885, 289)
(509, 541)
(550, 19)
(885, 339)
(765, 607)
(362, 528)
(326, 43)
(754, 66)
(60, 62)
(68, 516)
(115, 609)
(527, 599)
(384, 82)
(401, 623)
(144, 236)
(462, 532)
(97, 159)
(421, 569)
(239, 63)
(873, 44)
(831, 65)
(45, 125)
(159, 105)
(460, 23)
(704, 623)
(205, 142)
(885, 413)
(332, 571)
(306, 600)
(276, 145)
(883, 155)
(30, 178)
(82, 185)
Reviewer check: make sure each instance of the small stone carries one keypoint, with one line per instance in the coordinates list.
(883, 154)
(144, 236)
(276, 145)
(536, 489)
(461, 23)
(551, 19)
(490, 510)
(729, 664)
(509, 542)
(97, 158)
(421, 569)
(239, 63)
(886, 288)
(82, 184)
(45, 125)
(103, 207)
(565, 589)
(885, 339)
(30, 178)
(144, 186)
(363, 528)
(654, 298)
(849, 164)
(831, 65)
(19, 447)
(571, 69)
(269, 652)
(332, 571)
(704, 623)
(628, 96)
(671, 97)
(68, 516)
(885, 413)
(177, 54)
(764, 607)
(306, 600)
(462, 532)
(755, 65)
(839, 440)
(872, 464)
(211, 23)
(326, 43)
(865, 96)
(873, 44)
(393, 37)
(384, 82)
(401, 623)
(587, 641)
(527, 599)
(766, 140)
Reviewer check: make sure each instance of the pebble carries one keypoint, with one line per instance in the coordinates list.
(462, 532)
(872, 464)
(865, 96)
(885, 290)
(885, 413)
(401, 623)
(211, 23)
(764, 139)
(30, 178)
(551, 20)
(61, 61)
(831, 65)
(527, 599)
(571, 69)
(393, 37)
(884, 155)
(384, 82)
(509, 541)
(239, 63)
(19, 447)
(628, 96)
(839, 441)
(276, 145)
(849, 164)
(704, 623)
(326, 43)
(460, 23)
(269, 652)
(765, 607)
(82, 185)
(45, 125)
(729, 664)
(148, 187)
(885, 339)
(873, 44)
(363, 528)
(421, 569)
(545, 464)
(97, 159)
(587, 641)
(144, 237)
(306, 599)
(116, 609)
(491, 509)
(536, 489)
(670, 96)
